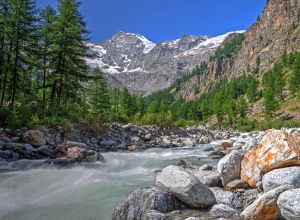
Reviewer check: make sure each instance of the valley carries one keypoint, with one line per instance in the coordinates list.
(196, 128)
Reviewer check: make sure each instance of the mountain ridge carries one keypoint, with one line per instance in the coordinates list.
(145, 67)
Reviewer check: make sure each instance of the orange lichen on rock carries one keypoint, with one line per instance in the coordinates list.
(277, 149)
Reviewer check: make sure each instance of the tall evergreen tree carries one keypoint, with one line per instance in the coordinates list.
(47, 20)
(115, 104)
(279, 81)
(242, 107)
(100, 98)
(252, 88)
(69, 50)
(127, 104)
(4, 15)
(23, 33)
(270, 102)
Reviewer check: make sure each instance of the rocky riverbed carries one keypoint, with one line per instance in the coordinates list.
(192, 173)
(257, 179)
(68, 146)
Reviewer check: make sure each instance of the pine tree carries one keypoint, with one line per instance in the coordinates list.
(270, 102)
(69, 50)
(47, 19)
(252, 88)
(22, 33)
(140, 105)
(295, 78)
(242, 107)
(279, 82)
(4, 15)
(100, 98)
(115, 104)
(230, 109)
(125, 103)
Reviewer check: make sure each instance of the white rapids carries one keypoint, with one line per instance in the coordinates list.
(87, 193)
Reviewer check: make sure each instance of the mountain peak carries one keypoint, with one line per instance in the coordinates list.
(133, 38)
(143, 66)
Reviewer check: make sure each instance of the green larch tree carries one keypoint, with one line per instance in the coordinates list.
(69, 50)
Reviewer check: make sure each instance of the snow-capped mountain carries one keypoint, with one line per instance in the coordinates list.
(143, 66)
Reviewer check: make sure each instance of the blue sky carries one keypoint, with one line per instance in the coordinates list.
(161, 20)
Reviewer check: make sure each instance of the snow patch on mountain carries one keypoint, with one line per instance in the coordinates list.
(148, 45)
(213, 42)
(173, 43)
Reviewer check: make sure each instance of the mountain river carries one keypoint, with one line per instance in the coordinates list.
(87, 192)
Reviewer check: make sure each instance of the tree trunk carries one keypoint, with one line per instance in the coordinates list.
(6, 69)
(15, 72)
(44, 77)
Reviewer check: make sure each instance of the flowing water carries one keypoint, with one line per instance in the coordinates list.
(86, 193)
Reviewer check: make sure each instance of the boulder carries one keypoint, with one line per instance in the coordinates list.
(148, 136)
(277, 149)
(203, 140)
(208, 177)
(181, 163)
(5, 154)
(93, 156)
(226, 197)
(236, 184)
(76, 153)
(224, 145)
(70, 144)
(238, 145)
(28, 147)
(44, 150)
(206, 167)
(284, 176)
(265, 207)
(154, 215)
(251, 144)
(229, 166)
(83, 155)
(289, 204)
(134, 147)
(59, 152)
(186, 187)
(34, 137)
(142, 201)
(225, 211)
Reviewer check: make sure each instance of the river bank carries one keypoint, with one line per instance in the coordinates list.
(65, 146)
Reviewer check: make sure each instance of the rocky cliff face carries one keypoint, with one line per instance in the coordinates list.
(277, 31)
(144, 67)
(265, 42)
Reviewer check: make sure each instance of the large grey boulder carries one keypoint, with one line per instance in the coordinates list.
(226, 197)
(154, 215)
(208, 177)
(186, 187)
(229, 166)
(265, 207)
(283, 176)
(221, 210)
(289, 204)
(142, 201)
